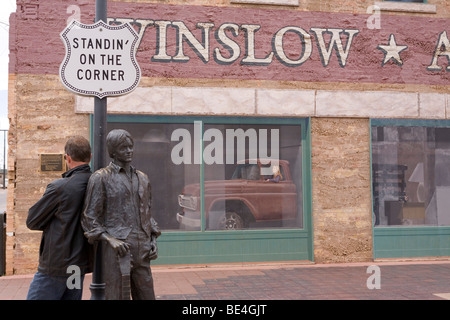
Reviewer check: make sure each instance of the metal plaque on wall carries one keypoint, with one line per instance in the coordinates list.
(51, 162)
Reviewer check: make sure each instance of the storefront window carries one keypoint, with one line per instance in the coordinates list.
(152, 155)
(410, 174)
(221, 176)
(255, 183)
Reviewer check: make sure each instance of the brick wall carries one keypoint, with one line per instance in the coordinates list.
(351, 6)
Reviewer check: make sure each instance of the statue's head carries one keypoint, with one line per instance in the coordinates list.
(120, 144)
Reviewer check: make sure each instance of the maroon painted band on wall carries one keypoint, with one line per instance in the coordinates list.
(179, 41)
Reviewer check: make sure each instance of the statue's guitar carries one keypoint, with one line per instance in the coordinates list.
(125, 268)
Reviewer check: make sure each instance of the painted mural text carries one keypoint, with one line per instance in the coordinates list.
(329, 41)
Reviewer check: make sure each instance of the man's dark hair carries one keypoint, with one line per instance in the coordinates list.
(78, 148)
(115, 138)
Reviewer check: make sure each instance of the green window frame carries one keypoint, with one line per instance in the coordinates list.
(407, 241)
(230, 246)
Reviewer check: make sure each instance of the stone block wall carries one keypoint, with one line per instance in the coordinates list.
(341, 189)
(41, 122)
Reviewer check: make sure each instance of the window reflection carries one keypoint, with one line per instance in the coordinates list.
(237, 193)
(411, 180)
(245, 184)
(152, 155)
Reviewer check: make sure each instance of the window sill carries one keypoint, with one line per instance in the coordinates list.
(294, 3)
(406, 7)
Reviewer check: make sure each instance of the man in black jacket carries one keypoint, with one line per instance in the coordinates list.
(64, 253)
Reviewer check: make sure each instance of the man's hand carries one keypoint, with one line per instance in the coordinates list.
(153, 249)
(120, 247)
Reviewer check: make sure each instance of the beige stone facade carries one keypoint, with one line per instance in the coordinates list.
(41, 122)
(341, 190)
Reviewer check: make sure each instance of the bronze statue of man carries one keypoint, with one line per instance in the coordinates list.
(117, 211)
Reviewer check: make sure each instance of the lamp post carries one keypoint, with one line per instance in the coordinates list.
(97, 286)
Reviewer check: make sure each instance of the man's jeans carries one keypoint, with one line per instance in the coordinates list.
(45, 287)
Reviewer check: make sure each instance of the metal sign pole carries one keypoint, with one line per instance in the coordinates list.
(100, 110)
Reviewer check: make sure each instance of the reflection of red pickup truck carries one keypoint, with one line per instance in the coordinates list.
(244, 199)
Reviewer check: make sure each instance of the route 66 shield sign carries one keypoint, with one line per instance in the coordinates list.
(100, 59)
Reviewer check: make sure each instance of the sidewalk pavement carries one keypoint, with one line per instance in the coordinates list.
(398, 280)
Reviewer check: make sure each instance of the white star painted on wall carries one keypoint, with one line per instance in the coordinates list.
(392, 51)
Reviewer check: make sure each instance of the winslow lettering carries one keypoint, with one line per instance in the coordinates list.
(442, 49)
(226, 35)
(236, 43)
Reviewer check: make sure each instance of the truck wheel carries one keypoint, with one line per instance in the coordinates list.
(231, 221)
